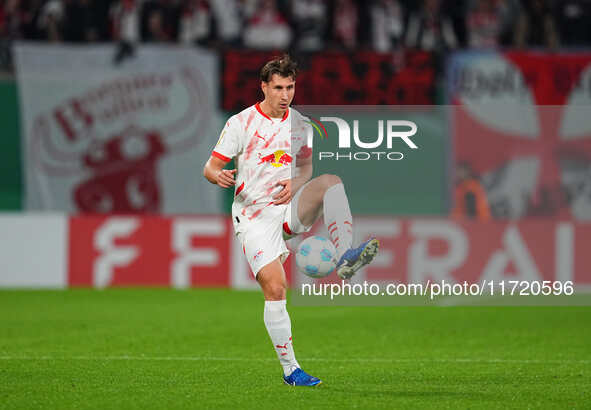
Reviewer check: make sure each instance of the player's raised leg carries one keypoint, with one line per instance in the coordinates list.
(274, 285)
(326, 195)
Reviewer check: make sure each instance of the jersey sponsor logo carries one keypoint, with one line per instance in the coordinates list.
(277, 159)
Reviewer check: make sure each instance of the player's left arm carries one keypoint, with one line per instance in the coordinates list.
(301, 174)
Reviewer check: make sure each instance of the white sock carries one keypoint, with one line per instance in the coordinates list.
(279, 328)
(337, 218)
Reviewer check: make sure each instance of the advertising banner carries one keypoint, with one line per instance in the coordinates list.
(102, 135)
(130, 251)
(202, 251)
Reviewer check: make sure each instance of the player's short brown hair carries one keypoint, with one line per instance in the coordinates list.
(283, 66)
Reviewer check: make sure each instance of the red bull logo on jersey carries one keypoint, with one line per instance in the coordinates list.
(277, 159)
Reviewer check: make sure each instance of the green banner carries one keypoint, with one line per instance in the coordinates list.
(391, 178)
(11, 188)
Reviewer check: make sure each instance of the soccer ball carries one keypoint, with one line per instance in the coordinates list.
(316, 257)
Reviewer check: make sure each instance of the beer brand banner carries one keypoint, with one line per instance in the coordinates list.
(521, 127)
(368, 78)
(105, 135)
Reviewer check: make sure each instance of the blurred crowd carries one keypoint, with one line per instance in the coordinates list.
(304, 25)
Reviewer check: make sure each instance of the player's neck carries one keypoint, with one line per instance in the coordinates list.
(266, 108)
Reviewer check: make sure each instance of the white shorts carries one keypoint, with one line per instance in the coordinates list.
(264, 240)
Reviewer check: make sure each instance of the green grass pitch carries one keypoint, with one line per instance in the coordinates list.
(167, 349)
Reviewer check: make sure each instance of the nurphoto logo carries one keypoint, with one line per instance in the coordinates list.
(387, 129)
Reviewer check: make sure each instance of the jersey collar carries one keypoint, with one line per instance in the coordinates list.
(258, 107)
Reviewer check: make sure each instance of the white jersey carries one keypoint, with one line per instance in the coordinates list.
(265, 151)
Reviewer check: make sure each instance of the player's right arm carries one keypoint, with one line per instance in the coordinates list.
(227, 147)
(215, 173)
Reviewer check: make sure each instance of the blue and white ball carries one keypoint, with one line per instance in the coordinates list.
(316, 257)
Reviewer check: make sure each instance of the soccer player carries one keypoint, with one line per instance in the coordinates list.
(275, 199)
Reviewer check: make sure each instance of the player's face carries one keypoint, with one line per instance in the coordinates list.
(279, 92)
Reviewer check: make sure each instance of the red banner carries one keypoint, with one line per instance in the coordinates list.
(196, 251)
(521, 128)
(149, 251)
(415, 251)
(336, 78)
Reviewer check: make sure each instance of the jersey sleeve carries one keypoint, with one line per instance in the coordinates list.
(302, 131)
(229, 143)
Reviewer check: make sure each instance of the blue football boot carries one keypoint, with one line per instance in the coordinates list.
(300, 378)
(355, 258)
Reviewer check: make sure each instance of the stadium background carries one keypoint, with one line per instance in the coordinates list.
(512, 82)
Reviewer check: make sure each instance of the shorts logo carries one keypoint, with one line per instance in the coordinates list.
(276, 159)
(258, 255)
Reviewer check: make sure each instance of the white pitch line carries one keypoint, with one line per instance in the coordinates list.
(312, 359)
